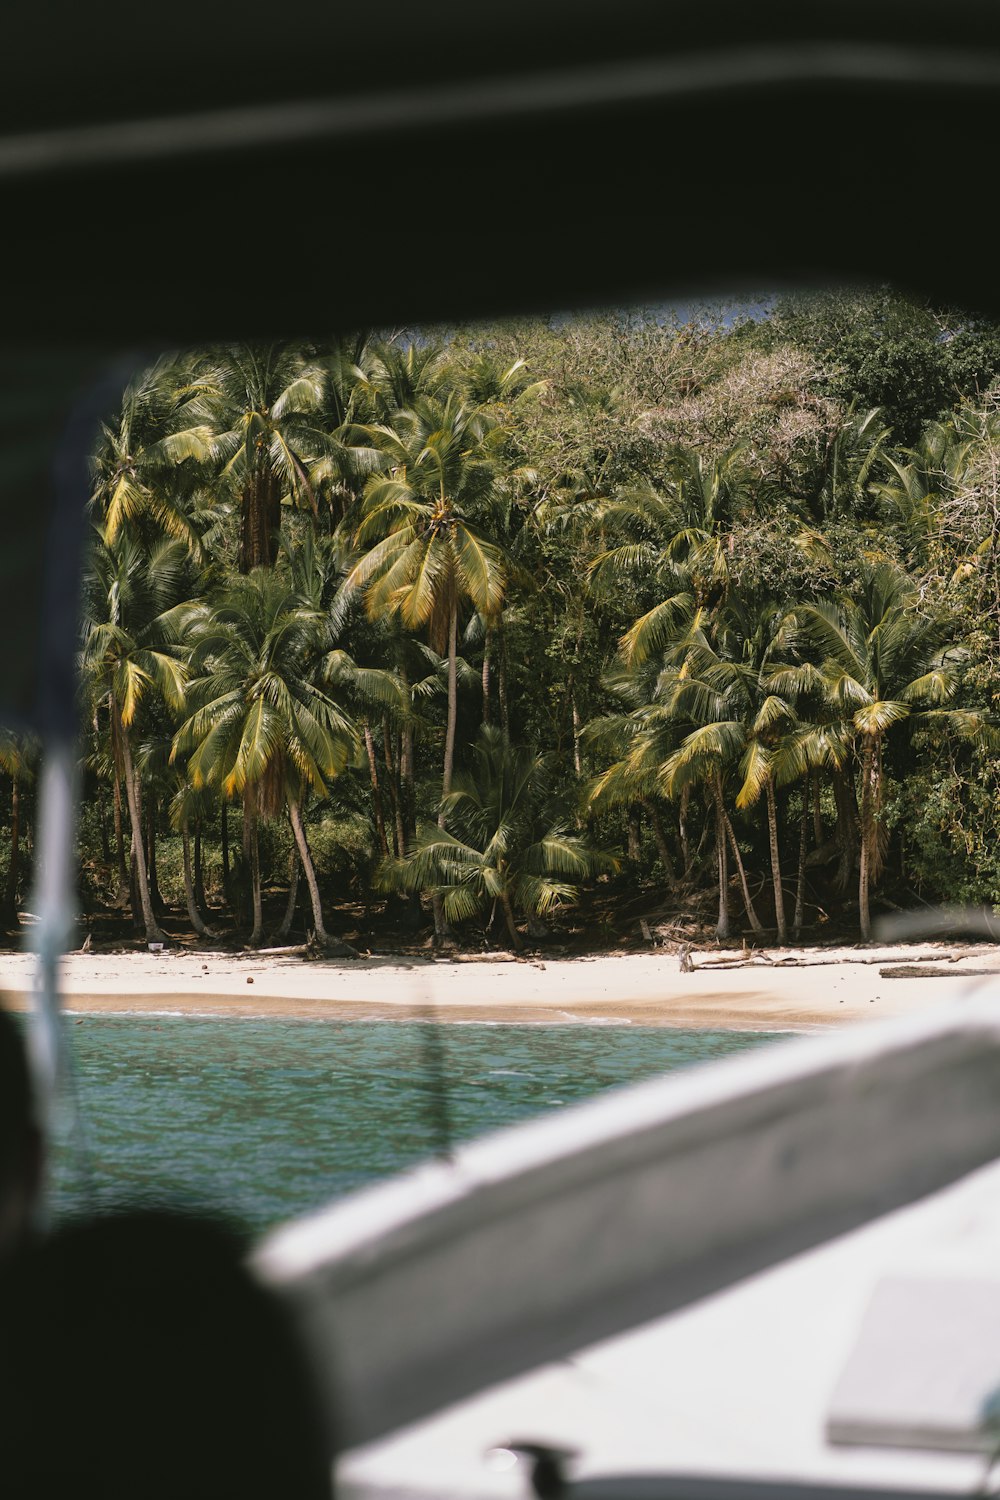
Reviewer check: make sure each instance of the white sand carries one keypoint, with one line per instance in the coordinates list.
(831, 986)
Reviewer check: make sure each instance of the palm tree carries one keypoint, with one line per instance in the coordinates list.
(186, 805)
(399, 374)
(657, 756)
(259, 414)
(369, 689)
(506, 849)
(885, 661)
(496, 386)
(136, 619)
(346, 455)
(147, 474)
(853, 452)
(744, 660)
(260, 727)
(716, 690)
(428, 552)
(633, 742)
(922, 484)
(673, 543)
(711, 711)
(649, 520)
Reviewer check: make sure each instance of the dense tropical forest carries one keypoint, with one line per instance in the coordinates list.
(543, 632)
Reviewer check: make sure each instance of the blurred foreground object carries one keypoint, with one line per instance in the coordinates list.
(139, 1358)
(20, 1141)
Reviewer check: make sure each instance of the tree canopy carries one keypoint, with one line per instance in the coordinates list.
(502, 625)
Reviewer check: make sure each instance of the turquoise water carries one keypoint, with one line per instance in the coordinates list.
(261, 1120)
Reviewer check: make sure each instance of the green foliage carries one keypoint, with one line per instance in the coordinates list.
(948, 813)
(342, 845)
(511, 850)
(882, 350)
(703, 573)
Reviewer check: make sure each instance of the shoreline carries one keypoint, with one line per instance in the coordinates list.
(795, 990)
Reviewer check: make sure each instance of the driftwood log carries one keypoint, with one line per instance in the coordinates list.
(904, 965)
(934, 971)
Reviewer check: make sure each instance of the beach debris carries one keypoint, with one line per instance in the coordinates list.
(249, 979)
(905, 965)
(932, 971)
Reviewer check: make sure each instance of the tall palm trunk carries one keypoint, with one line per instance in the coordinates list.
(393, 765)
(864, 911)
(190, 898)
(260, 520)
(800, 883)
(407, 797)
(772, 833)
(199, 874)
(577, 730)
(153, 932)
(154, 883)
(748, 906)
(406, 814)
(309, 869)
(252, 846)
(120, 840)
(343, 950)
(723, 926)
(134, 903)
(868, 836)
(285, 926)
(227, 885)
(634, 842)
(847, 826)
(508, 914)
(682, 830)
(486, 674)
(102, 824)
(102, 820)
(449, 740)
(817, 811)
(442, 931)
(502, 681)
(376, 792)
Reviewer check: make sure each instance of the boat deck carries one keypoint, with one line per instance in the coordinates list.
(668, 1283)
(734, 1387)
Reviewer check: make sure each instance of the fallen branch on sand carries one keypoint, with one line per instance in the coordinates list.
(931, 971)
(905, 965)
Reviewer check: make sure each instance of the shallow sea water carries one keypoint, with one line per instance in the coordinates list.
(263, 1120)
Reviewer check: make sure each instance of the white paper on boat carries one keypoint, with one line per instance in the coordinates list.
(925, 1370)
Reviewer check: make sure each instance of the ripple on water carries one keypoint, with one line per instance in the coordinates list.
(262, 1120)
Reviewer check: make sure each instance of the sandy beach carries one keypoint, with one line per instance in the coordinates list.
(797, 990)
